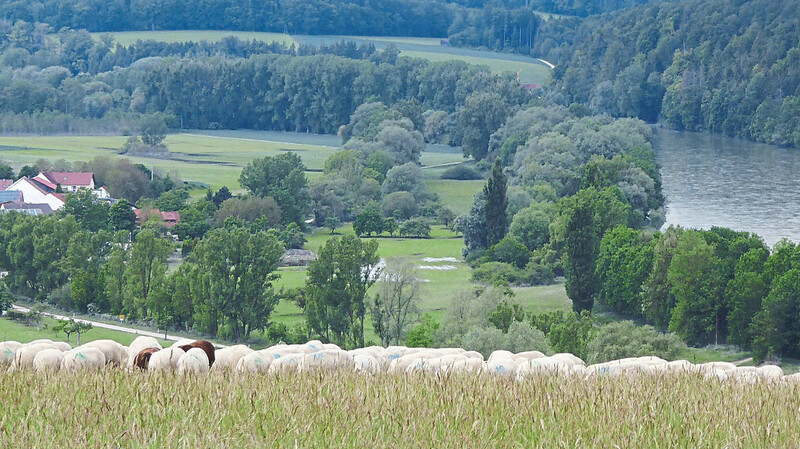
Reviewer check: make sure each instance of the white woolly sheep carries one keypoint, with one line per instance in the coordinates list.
(227, 358)
(83, 358)
(23, 357)
(166, 359)
(115, 353)
(194, 361)
(501, 366)
(286, 363)
(48, 360)
(62, 346)
(138, 344)
(255, 362)
(7, 351)
(327, 360)
(182, 342)
(366, 364)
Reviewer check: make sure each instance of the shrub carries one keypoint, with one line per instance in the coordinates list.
(510, 250)
(626, 339)
(421, 335)
(536, 274)
(520, 337)
(495, 272)
(505, 314)
(566, 331)
(460, 173)
(415, 227)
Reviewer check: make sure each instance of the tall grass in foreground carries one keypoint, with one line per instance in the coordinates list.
(132, 410)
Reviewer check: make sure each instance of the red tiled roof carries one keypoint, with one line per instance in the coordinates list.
(4, 183)
(171, 216)
(61, 196)
(69, 179)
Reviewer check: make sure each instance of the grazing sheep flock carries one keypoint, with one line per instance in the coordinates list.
(200, 357)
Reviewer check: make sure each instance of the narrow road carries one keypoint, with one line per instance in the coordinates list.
(547, 63)
(112, 327)
(446, 164)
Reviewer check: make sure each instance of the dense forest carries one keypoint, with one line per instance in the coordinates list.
(359, 17)
(727, 67)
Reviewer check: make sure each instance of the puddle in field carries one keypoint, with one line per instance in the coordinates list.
(437, 267)
(440, 259)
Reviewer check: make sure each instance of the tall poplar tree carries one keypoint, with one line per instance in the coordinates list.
(495, 209)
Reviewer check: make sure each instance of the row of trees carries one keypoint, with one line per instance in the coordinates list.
(223, 288)
(710, 286)
(315, 93)
(337, 17)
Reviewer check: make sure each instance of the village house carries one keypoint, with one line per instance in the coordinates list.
(170, 219)
(33, 192)
(71, 182)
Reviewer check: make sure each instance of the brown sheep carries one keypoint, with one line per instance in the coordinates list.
(206, 346)
(142, 359)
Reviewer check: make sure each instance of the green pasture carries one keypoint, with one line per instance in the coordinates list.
(13, 330)
(130, 37)
(529, 73)
(457, 195)
(438, 286)
(211, 158)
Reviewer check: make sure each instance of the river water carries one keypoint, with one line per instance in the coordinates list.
(718, 181)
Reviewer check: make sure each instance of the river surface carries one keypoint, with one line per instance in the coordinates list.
(718, 181)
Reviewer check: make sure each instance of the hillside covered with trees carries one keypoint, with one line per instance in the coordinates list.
(721, 66)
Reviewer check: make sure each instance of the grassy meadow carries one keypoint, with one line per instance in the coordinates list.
(13, 330)
(114, 408)
(528, 72)
(209, 158)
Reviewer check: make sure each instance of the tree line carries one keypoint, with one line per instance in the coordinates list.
(715, 286)
(359, 17)
(275, 88)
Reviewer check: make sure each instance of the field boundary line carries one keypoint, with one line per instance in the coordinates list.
(258, 140)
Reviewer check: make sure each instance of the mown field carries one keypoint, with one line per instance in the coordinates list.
(530, 70)
(114, 408)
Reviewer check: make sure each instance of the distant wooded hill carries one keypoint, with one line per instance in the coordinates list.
(725, 66)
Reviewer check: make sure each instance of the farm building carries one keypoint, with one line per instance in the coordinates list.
(298, 257)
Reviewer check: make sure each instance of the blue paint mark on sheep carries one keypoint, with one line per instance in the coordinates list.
(394, 356)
